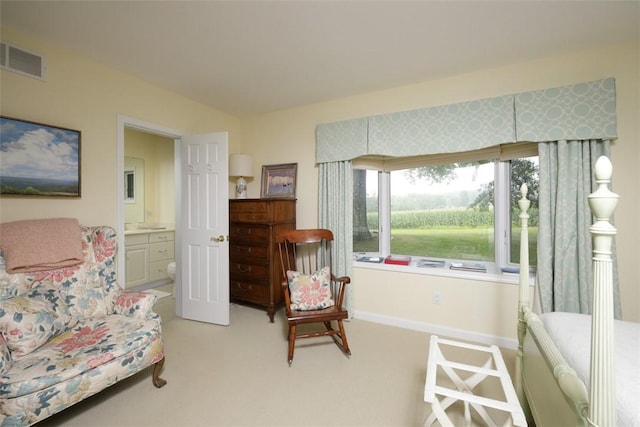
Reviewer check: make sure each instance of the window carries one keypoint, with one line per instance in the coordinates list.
(461, 210)
(129, 186)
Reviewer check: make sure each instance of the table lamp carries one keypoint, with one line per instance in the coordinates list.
(241, 165)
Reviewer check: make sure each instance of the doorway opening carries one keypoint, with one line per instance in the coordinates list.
(148, 216)
(200, 200)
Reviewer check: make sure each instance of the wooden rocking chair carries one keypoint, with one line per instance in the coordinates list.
(312, 294)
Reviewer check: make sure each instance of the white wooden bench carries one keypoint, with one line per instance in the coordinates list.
(441, 397)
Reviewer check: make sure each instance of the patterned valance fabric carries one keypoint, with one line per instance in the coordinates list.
(445, 129)
(338, 141)
(580, 111)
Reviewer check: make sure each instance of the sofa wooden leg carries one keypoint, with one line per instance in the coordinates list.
(157, 381)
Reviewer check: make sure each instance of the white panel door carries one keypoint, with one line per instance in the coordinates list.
(204, 222)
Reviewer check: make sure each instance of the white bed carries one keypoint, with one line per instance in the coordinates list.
(574, 369)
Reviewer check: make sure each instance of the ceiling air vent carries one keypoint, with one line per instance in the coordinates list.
(21, 61)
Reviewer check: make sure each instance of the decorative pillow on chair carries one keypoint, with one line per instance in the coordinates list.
(310, 292)
(29, 320)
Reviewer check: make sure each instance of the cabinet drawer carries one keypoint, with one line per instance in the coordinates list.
(260, 211)
(247, 233)
(161, 237)
(158, 270)
(246, 269)
(239, 252)
(249, 211)
(256, 292)
(249, 206)
(136, 239)
(161, 251)
(249, 217)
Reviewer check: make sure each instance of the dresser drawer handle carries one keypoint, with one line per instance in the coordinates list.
(245, 231)
(241, 250)
(243, 268)
(243, 287)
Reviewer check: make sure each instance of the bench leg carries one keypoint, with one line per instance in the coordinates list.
(157, 381)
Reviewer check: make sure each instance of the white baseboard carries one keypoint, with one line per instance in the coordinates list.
(508, 343)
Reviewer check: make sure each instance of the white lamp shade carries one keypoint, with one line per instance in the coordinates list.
(240, 165)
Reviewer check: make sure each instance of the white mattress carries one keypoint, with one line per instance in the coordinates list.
(572, 335)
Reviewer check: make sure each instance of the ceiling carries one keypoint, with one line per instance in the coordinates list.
(252, 57)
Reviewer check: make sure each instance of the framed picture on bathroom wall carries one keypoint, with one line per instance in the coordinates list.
(38, 160)
(279, 181)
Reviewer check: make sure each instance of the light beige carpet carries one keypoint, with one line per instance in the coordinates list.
(239, 376)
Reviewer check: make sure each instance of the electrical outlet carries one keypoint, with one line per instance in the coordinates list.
(437, 298)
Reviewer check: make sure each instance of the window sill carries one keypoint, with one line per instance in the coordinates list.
(490, 276)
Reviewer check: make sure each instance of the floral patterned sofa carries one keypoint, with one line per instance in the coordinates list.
(68, 333)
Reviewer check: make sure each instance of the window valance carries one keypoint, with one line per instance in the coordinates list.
(576, 112)
(343, 140)
(580, 111)
(444, 129)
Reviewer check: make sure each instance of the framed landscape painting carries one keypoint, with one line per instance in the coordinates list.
(38, 160)
(279, 181)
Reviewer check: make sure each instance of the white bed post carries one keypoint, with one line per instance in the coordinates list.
(602, 399)
(523, 299)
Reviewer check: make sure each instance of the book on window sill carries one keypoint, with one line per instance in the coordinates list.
(432, 263)
(510, 271)
(397, 260)
(366, 258)
(468, 266)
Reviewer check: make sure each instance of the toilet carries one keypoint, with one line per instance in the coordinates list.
(171, 271)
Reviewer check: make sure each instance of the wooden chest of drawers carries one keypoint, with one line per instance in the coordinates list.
(254, 269)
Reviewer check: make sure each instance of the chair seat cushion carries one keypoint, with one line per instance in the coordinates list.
(314, 316)
(88, 346)
(310, 291)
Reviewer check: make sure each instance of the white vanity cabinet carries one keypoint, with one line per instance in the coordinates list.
(136, 249)
(147, 255)
(161, 253)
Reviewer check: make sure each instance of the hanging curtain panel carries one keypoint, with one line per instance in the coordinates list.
(565, 276)
(335, 212)
(340, 141)
(444, 129)
(577, 112)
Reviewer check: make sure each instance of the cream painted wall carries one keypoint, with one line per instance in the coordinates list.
(480, 307)
(85, 95)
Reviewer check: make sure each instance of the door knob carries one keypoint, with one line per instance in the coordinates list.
(220, 238)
